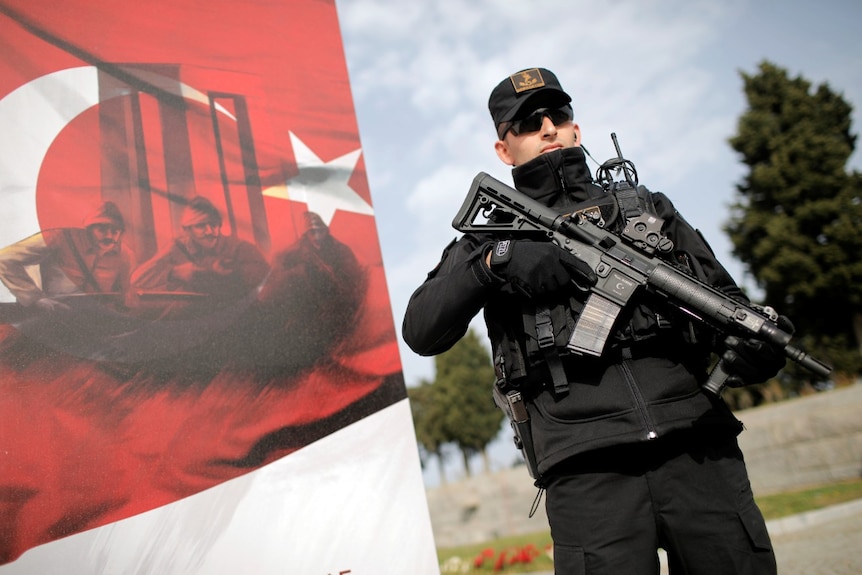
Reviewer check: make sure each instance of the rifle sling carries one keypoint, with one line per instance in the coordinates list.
(89, 278)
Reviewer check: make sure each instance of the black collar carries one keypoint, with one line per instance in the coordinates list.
(559, 179)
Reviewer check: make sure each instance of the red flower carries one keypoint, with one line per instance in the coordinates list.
(486, 553)
(501, 562)
(529, 552)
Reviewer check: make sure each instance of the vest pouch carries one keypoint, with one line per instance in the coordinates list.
(602, 211)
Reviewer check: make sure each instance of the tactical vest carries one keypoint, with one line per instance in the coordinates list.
(547, 327)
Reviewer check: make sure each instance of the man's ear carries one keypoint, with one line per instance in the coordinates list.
(503, 153)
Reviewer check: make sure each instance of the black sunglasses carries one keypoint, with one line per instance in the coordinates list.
(533, 122)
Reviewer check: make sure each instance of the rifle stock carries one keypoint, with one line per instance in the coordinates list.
(623, 264)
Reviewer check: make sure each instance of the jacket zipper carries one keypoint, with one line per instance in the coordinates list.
(640, 404)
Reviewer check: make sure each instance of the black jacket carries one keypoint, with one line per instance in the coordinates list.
(645, 386)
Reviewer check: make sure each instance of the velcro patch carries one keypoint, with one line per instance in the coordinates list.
(501, 248)
(527, 80)
(501, 253)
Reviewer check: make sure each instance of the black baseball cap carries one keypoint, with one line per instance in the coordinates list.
(524, 92)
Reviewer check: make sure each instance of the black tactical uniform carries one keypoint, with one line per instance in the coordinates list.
(633, 454)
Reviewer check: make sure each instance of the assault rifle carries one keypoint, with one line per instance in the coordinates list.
(623, 264)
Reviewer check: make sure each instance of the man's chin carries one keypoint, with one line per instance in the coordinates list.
(108, 248)
(208, 244)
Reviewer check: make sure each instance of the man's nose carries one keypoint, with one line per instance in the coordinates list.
(548, 127)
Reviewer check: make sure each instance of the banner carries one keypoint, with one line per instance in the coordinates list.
(198, 364)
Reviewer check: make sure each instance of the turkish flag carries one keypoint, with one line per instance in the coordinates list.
(143, 389)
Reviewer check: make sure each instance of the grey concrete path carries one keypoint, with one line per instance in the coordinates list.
(823, 542)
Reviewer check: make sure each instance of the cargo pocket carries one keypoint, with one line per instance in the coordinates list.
(569, 560)
(755, 527)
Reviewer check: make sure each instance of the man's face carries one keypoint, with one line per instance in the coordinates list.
(205, 234)
(516, 149)
(105, 236)
(318, 235)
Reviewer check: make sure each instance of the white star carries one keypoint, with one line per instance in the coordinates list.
(322, 185)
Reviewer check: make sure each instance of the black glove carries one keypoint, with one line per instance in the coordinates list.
(538, 268)
(750, 361)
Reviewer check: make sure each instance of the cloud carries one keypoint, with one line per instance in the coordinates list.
(663, 76)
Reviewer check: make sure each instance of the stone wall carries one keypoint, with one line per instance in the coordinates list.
(814, 439)
(787, 445)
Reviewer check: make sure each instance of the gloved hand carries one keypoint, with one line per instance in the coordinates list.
(537, 268)
(750, 361)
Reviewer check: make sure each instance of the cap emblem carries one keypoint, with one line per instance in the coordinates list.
(527, 80)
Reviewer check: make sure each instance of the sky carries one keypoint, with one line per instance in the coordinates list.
(665, 76)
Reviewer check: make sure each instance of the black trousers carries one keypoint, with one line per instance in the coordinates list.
(610, 511)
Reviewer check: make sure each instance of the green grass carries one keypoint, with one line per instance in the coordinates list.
(793, 502)
(773, 507)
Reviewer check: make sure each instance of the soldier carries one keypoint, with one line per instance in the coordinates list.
(87, 260)
(213, 269)
(309, 303)
(632, 453)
